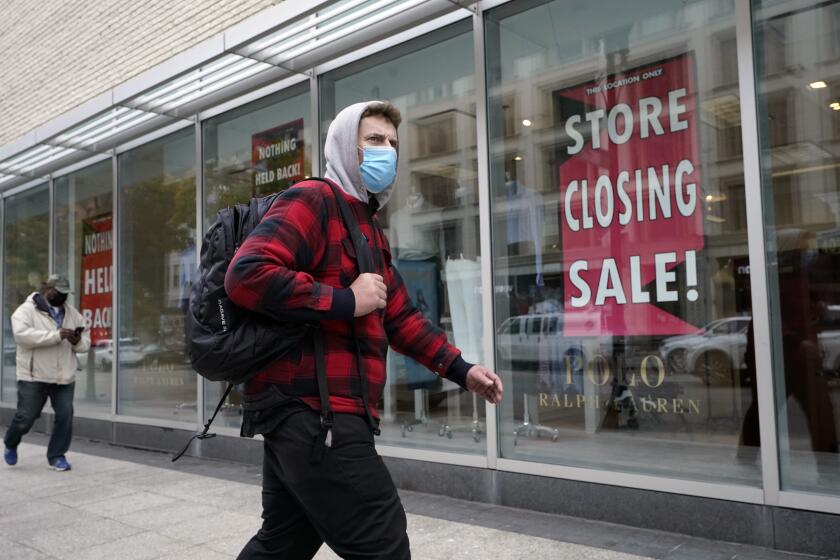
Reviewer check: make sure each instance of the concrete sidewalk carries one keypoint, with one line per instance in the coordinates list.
(132, 505)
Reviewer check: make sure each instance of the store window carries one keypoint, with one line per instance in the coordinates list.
(255, 150)
(621, 277)
(432, 224)
(158, 264)
(799, 128)
(83, 228)
(26, 238)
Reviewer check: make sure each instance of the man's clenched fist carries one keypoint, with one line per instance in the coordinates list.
(370, 293)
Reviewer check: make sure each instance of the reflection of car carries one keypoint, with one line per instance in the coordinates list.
(830, 349)
(521, 337)
(154, 355)
(675, 349)
(131, 353)
(829, 341)
(720, 351)
(9, 349)
(717, 351)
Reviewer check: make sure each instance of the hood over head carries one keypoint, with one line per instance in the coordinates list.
(341, 154)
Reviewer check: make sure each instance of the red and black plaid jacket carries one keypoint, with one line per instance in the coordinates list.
(298, 264)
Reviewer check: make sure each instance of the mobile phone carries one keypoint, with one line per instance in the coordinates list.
(79, 330)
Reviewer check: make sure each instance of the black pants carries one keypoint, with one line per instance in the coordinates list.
(348, 500)
(31, 398)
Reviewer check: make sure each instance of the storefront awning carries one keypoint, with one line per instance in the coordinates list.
(286, 40)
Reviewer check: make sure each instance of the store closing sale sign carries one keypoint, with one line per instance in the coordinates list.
(631, 202)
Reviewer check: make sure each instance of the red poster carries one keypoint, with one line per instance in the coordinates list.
(95, 301)
(277, 157)
(631, 201)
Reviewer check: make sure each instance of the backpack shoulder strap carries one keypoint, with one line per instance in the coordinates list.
(364, 259)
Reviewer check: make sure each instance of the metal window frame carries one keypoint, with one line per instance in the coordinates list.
(757, 253)
(200, 385)
(671, 485)
(491, 412)
(115, 280)
(2, 290)
(29, 185)
(51, 230)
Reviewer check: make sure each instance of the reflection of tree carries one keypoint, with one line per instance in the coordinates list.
(27, 250)
(158, 220)
(233, 184)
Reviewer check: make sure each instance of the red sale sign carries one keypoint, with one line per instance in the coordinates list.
(631, 201)
(95, 301)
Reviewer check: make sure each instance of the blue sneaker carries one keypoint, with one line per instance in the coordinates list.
(10, 456)
(60, 464)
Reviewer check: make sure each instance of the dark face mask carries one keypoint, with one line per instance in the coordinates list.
(57, 299)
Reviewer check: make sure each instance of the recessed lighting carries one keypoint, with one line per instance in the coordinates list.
(819, 84)
(517, 158)
(526, 122)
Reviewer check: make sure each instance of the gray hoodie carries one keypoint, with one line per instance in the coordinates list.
(340, 151)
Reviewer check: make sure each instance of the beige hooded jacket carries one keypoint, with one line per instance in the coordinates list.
(41, 353)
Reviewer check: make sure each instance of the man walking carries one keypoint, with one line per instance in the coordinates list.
(48, 331)
(300, 264)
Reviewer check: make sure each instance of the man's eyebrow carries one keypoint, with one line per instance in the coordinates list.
(378, 135)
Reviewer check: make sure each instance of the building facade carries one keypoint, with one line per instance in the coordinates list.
(630, 209)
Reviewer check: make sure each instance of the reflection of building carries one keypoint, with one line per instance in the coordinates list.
(476, 224)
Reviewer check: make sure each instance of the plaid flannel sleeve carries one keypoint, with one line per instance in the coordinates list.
(412, 334)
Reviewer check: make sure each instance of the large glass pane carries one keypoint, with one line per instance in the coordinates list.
(261, 148)
(83, 251)
(621, 276)
(26, 239)
(431, 222)
(799, 129)
(157, 260)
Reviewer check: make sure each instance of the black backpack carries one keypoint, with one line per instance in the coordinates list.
(226, 342)
(230, 344)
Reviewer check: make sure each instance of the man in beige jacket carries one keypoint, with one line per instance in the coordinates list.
(48, 332)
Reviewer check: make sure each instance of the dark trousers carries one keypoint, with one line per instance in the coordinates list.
(348, 500)
(31, 398)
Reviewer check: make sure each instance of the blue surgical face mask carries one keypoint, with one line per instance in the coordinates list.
(378, 168)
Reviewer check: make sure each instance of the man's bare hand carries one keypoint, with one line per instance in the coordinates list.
(370, 293)
(70, 336)
(485, 383)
